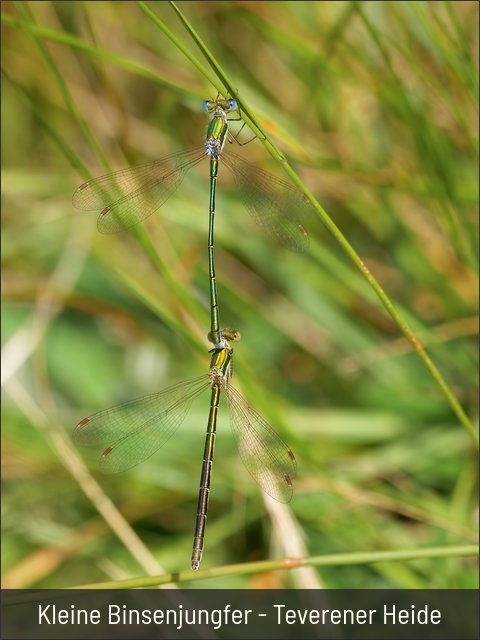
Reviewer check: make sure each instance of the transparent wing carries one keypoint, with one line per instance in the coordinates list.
(274, 204)
(267, 458)
(132, 432)
(130, 195)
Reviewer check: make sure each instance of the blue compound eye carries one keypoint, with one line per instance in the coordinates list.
(232, 103)
(206, 106)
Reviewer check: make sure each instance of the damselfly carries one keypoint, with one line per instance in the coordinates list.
(130, 195)
(132, 432)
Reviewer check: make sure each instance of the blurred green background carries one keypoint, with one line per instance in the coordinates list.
(375, 105)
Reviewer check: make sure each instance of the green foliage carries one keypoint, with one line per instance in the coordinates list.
(375, 104)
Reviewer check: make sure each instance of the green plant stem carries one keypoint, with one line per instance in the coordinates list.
(173, 38)
(331, 560)
(257, 128)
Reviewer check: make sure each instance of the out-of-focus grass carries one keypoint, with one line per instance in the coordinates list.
(375, 104)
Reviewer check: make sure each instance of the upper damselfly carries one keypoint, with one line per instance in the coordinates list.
(130, 195)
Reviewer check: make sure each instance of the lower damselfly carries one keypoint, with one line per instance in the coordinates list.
(134, 431)
(130, 195)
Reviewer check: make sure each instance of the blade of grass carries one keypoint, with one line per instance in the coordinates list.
(72, 158)
(256, 126)
(425, 135)
(101, 54)
(64, 91)
(461, 62)
(173, 38)
(330, 560)
(76, 467)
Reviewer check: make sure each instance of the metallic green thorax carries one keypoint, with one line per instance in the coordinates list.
(220, 365)
(216, 132)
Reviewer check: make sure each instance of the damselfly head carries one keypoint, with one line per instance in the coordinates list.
(219, 103)
(232, 335)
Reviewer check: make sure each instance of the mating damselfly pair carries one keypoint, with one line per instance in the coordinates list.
(132, 432)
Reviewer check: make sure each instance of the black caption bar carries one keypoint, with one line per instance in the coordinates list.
(218, 614)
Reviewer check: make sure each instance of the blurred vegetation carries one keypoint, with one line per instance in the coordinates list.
(375, 104)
